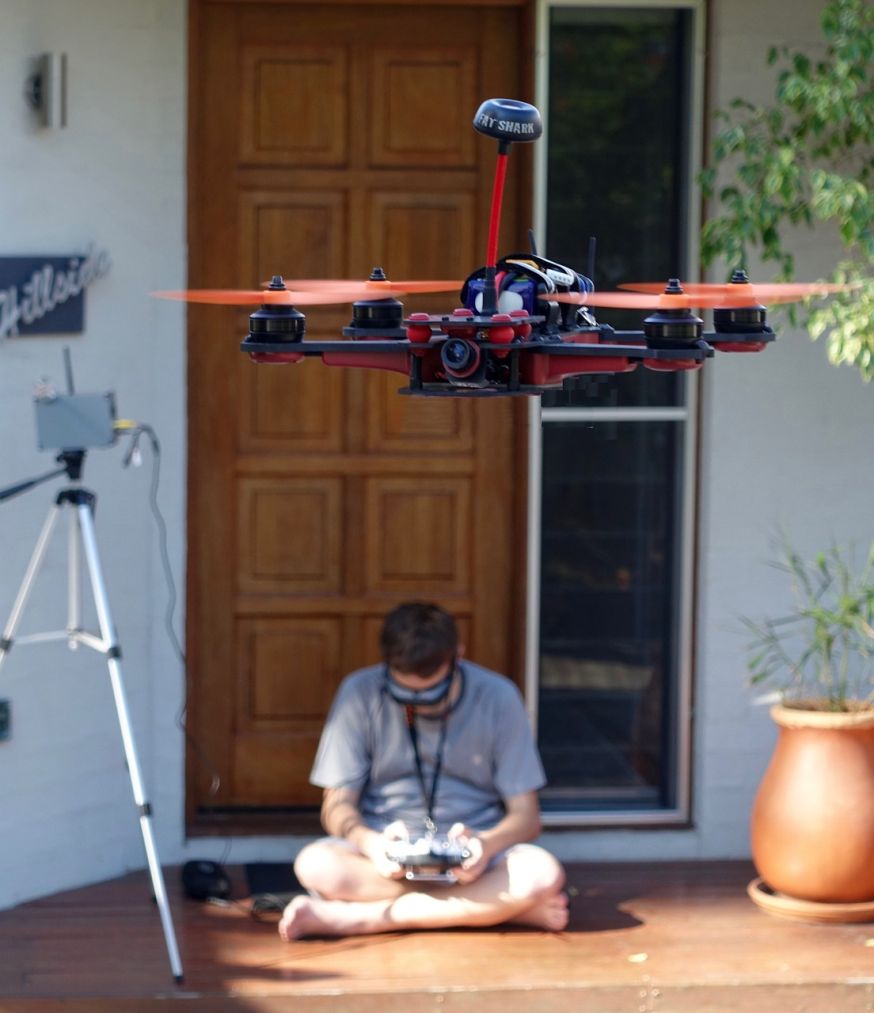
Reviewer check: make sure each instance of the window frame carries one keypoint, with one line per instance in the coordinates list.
(687, 415)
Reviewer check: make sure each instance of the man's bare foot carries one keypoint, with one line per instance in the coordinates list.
(313, 916)
(300, 918)
(550, 914)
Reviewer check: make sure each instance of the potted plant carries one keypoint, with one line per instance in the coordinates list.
(812, 827)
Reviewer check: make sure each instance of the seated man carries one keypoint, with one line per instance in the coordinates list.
(423, 744)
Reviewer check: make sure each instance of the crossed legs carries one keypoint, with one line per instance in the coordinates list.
(524, 886)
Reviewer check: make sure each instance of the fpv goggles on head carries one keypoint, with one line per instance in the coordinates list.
(420, 697)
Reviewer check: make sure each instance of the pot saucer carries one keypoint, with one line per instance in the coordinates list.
(774, 903)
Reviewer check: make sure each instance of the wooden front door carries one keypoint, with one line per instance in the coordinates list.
(326, 140)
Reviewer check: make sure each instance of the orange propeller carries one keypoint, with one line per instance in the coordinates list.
(764, 292)
(312, 291)
(377, 286)
(739, 292)
(375, 289)
(663, 301)
(259, 297)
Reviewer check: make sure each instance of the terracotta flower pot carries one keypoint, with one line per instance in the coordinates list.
(813, 819)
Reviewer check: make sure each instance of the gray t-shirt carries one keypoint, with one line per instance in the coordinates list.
(489, 753)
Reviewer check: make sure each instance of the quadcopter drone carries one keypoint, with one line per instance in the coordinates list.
(525, 323)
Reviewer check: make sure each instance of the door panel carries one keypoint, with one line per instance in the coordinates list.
(290, 535)
(294, 105)
(287, 411)
(279, 227)
(421, 106)
(419, 537)
(325, 140)
(420, 425)
(429, 232)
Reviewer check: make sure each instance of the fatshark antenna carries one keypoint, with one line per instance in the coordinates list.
(506, 120)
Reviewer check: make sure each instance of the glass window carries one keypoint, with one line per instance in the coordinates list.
(611, 499)
(614, 449)
(616, 162)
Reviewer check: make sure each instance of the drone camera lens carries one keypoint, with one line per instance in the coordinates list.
(457, 353)
(460, 357)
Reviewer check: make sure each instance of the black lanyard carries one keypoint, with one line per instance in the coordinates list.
(429, 799)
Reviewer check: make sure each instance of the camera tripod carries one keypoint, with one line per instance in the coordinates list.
(82, 536)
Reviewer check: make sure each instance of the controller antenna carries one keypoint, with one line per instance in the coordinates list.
(590, 262)
(506, 120)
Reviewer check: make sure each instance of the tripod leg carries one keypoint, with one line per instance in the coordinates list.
(27, 584)
(107, 629)
(74, 571)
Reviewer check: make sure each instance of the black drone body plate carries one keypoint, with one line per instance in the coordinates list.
(630, 344)
(696, 351)
(699, 350)
(459, 390)
(320, 347)
(370, 333)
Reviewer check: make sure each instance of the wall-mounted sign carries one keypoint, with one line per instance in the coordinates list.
(46, 295)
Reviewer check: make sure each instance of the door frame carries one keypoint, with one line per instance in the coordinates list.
(678, 815)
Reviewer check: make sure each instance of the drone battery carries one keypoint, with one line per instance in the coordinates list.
(75, 421)
(523, 287)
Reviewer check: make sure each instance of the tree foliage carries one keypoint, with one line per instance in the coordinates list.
(806, 159)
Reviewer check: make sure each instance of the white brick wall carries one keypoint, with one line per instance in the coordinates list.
(116, 177)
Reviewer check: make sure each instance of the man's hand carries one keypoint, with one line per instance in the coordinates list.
(342, 818)
(376, 846)
(521, 822)
(480, 856)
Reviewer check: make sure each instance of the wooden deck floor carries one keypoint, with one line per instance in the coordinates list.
(660, 937)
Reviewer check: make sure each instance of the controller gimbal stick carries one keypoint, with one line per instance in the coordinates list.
(506, 120)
